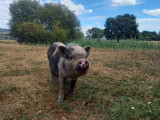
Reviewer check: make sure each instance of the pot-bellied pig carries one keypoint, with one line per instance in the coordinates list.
(67, 61)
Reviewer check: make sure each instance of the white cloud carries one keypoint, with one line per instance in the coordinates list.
(149, 24)
(119, 3)
(94, 18)
(78, 8)
(154, 12)
(4, 12)
(51, 1)
(99, 25)
(85, 29)
(4, 9)
(149, 20)
(99, 3)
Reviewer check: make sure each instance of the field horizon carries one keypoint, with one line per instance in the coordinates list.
(121, 84)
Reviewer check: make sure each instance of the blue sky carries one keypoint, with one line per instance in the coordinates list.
(93, 13)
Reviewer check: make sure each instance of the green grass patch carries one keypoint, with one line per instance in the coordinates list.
(111, 44)
(15, 72)
(128, 99)
(8, 89)
(124, 44)
(120, 64)
(66, 106)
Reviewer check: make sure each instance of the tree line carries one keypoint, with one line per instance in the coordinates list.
(122, 27)
(34, 23)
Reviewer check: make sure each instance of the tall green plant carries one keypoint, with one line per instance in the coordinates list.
(124, 44)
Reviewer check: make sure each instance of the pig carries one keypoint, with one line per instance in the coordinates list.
(67, 61)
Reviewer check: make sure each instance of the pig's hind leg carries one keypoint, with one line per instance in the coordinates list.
(73, 82)
(51, 78)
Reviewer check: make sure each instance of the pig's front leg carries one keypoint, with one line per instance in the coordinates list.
(73, 82)
(62, 88)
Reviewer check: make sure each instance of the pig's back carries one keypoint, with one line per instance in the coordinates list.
(54, 57)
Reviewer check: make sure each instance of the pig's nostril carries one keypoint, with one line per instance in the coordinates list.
(83, 64)
(87, 63)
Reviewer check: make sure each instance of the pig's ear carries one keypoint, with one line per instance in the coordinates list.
(63, 51)
(87, 49)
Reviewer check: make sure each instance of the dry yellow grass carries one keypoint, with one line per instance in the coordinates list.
(26, 93)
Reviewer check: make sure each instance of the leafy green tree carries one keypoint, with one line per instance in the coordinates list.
(111, 30)
(52, 15)
(21, 11)
(128, 26)
(121, 27)
(95, 33)
(56, 22)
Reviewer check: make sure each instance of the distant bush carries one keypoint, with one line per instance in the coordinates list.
(58, 34)
(32, 32)
(149, 36)
(95, 33)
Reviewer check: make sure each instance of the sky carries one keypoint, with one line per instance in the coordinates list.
(93, 13)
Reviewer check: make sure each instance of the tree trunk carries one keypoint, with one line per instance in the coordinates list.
(117, 40)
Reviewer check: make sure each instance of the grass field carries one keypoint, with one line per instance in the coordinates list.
(123, 44)
(122, 84)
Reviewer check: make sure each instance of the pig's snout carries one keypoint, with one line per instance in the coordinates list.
(83, 65)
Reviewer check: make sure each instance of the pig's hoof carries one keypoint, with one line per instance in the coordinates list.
(72, 92)
(51, 80)
(60, 99)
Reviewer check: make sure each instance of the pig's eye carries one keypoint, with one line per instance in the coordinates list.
(70, 58)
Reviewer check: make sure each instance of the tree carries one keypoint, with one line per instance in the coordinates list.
(149, 36)
(52, 15)
(111, 30)
(95, 33)
(21, 11)
(121, 27)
